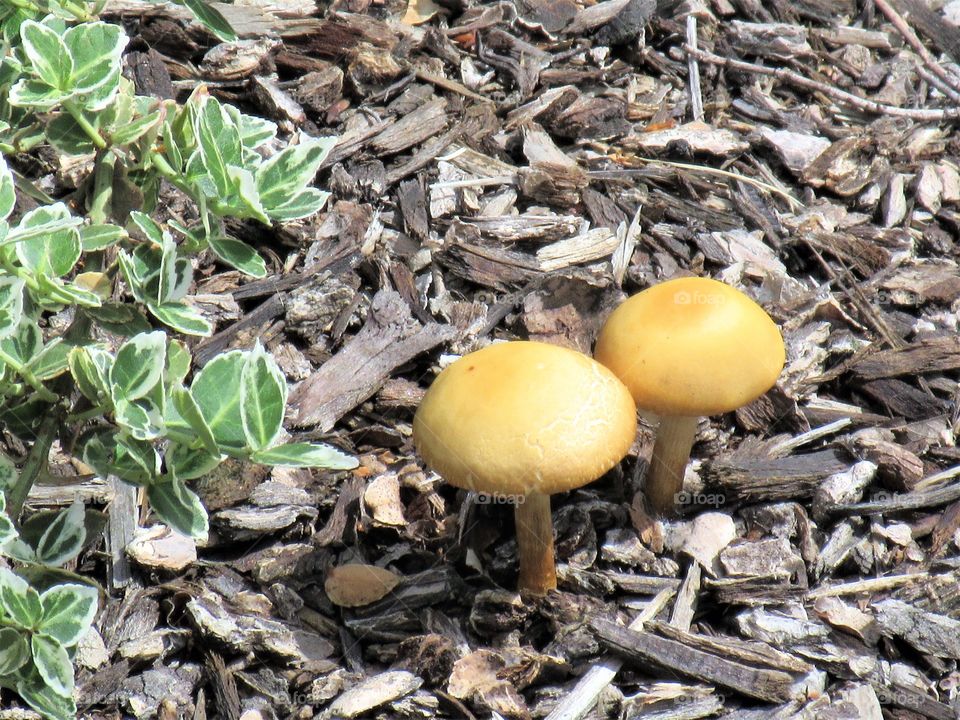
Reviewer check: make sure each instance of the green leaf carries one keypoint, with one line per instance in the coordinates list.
(52, 254)
(212, 19)
(53, 664)
(64, 538)
(138, 366)
(121, 319)
(182, 318)
(14, 651)
(18, 600)
(66, 135)
(176, 273)
(45, 701)
(25, 343)
(51, 361)
(263, 398)
(56, 291)
(305, 455)
(291, 170)
(245, 199)
(178, 363)
(149, 227)
(141, 418)
(220, 145)
(42, 222)
(111, 453)
(95, 48)
(68, 611)
(188, 464)
(216, 390)
(7, 530)
(100, 237)
(254, 131)
(179, 507)
(11, 304)
(238, 254)
(8, 195)
(35, 95)
(8, 475)
(48, 54)
(303, 204)
(90, 368)
(131, 132)
(189, 412)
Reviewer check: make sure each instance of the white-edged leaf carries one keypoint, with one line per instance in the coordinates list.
(178, 507)
(182, 318)
(291, 170)
(45, 701)
(42, 222)
(303, 204)
(263, 398)
(34, 94)
(216, 391)
(48, 54)
(11, 304)
(18, 600)
(188, 410)
(212, 19)
(8, 195)
(14, 651)
(95, 48)
(90, 368)
(64, 539)
(53, 663)
(305, 455)
(68, 611)
(141, 418)
(100, 237)
(138, 365)
(219, 144)
(238, 254)
(189, 464)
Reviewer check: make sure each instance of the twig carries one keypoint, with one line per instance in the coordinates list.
(705, 169)
(869, 106)
(865, 586)
(910, 36)
(696, 98)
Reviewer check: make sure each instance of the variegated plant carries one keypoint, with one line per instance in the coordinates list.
(116, 384)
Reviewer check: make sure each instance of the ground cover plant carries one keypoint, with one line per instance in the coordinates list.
(93, 303)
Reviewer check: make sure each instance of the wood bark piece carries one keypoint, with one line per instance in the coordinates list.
(390, 338)
(925, 356)
(756, 479)
(683, 657)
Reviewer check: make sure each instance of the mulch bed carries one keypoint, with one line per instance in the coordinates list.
(516, 169)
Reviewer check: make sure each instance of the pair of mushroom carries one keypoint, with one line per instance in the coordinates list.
(518, 421)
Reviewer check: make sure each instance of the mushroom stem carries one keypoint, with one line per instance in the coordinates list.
(535, 543)
(671, 452)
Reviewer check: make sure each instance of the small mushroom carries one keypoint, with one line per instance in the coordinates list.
(688, 348)
(518, 421)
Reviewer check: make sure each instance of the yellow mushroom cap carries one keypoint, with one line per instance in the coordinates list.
(521, 417)
(692, 346)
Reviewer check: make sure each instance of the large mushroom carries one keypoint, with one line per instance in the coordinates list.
(688, 348)
(518, 421)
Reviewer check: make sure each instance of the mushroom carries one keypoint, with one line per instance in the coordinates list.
(518, 421)
(688, 348)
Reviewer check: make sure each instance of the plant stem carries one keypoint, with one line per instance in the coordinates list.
(77, 114)
(534, 527)
(28, 375)
(36, 462)
(102, 187)
(671, 452)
